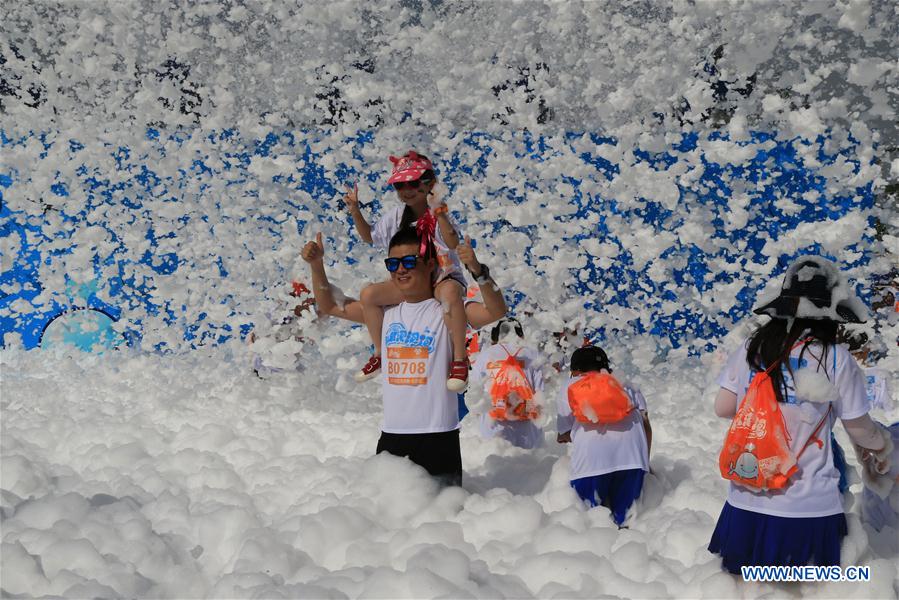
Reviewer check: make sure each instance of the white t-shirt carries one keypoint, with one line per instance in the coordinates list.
(812, 490)
(416, 348)
(597, 449)
(878, 388)
(524, 434)
(389, 224)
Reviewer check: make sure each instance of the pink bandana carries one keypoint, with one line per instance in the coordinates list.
(426, 227)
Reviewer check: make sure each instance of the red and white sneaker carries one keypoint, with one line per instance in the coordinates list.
(371, 369)
(458, 376)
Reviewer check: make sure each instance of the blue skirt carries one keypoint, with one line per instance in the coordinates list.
(745, 538)
(616, 490)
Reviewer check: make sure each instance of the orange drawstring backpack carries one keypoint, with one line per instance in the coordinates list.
(511, 392)
(473, 345)
(598, 398)
(756, 452)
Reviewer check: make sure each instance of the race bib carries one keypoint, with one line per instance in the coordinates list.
(407, 366)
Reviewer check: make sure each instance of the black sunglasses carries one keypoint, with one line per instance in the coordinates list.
(393, 263)
(401, 185)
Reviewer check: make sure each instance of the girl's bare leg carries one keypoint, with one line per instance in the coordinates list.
(372, 300)
(449, 293)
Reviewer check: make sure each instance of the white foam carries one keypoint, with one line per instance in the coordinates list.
(142, 475)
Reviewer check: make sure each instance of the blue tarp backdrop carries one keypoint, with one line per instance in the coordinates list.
(148, 219)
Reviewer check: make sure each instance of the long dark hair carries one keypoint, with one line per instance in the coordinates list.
(408, 216)
(772, 342)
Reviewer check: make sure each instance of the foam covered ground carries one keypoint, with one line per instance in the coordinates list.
(188, 476)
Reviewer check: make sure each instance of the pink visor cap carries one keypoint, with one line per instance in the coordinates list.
(409, 167)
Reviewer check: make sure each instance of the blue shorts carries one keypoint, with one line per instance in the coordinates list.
(616, 490)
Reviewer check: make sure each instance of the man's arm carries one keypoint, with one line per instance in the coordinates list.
(314, 254)
(494, 307)
(564, 417)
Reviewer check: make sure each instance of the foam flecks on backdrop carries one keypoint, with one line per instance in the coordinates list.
(649, 184)
(669, 243)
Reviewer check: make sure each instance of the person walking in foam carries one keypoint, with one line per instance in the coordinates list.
(512, 374)
(423, 207)
(608, 425)
(783, 389)
(421, 417)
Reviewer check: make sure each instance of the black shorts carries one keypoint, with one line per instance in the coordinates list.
(437, 453)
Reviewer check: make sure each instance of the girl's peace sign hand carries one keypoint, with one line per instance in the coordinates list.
(351, 198)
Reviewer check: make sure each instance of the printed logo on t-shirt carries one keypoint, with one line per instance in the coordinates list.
(407, 355)
(398, 335)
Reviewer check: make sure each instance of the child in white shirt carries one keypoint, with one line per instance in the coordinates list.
(608, 461)
(507, 339)
(815, 381)
(414, 179)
